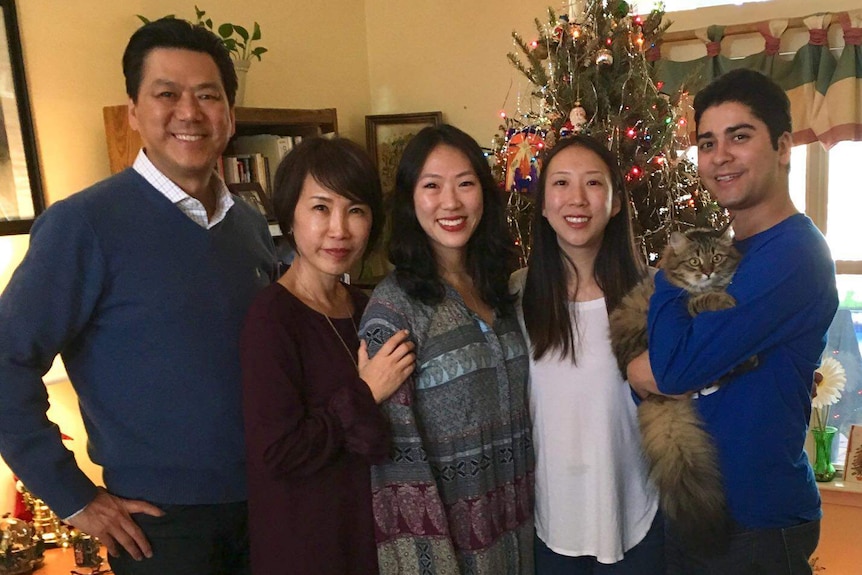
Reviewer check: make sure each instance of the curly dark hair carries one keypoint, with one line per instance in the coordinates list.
(491, 255)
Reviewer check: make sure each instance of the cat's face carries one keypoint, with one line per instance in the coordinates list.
(700, 260)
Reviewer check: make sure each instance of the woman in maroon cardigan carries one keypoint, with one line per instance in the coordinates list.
(310, 392)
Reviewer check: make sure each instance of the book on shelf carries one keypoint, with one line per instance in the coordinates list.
(270, 146)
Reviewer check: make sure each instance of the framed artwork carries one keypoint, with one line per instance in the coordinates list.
(21, 198)
(387, 134)
(253, 195)
(853, 463)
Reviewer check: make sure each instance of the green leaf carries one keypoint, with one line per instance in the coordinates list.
(225, 30)
(200, 13)
(258, 51)
(256, 34)
(243, 33)
(143, 19)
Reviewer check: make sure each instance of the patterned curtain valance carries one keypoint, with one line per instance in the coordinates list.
(825, 91)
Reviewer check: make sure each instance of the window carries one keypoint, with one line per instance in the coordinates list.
(679, 5)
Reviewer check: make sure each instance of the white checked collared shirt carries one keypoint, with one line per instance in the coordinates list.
(188, 205)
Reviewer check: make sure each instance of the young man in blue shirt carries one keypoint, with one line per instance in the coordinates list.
(786, 298)
(141, 283)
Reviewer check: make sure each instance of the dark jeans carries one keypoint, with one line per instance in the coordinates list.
(759, 552)
(645, 558)
(192, 539)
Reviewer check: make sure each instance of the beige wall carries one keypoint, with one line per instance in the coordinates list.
(359, 56)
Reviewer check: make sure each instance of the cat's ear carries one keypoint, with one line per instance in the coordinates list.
(727, 232)
(677, 241)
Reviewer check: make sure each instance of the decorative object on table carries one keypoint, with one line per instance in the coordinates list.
(21, 550)
(238, 41)
(86, 550)
(853, 460)
(46, 525)
(829, 388)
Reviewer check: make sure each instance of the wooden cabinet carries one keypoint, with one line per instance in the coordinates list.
(124, 143)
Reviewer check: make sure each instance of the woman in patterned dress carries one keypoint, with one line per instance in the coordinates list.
(455, 496)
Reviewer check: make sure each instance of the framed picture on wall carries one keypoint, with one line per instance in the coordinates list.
(21, 198)
(853, 462)
(387, 134)
(253, 195)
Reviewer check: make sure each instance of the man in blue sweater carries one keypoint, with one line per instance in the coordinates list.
(141, 283)
(786, 298)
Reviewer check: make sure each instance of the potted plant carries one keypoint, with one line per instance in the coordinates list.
(238, 41)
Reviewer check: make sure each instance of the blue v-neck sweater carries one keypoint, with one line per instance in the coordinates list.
(145, 307)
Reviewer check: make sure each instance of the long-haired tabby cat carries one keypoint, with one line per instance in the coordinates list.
(682, 458)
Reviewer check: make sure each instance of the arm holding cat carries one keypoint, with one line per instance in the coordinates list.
(772, 287)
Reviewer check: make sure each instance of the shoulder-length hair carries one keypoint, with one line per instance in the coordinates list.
(491, 255)
(617, 270)
(337, 164)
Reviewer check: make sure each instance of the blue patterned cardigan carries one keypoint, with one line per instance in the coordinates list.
(456, 496)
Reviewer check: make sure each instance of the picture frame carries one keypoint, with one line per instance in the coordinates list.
(387, 134)
(252, 193)
(21, 193)
(853, 459)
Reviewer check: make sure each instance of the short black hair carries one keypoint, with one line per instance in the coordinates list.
(766, 99)
(491, 254)
(337, 164)
(178, 34)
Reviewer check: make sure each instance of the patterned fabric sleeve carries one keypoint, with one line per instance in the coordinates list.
(410, 522)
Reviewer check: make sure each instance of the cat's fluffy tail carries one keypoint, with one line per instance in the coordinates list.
(684, 466)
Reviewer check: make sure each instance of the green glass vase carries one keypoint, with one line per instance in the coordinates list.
(823, 439)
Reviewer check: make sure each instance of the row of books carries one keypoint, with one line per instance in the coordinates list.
(255, 159)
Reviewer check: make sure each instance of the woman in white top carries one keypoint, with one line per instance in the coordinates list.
(595, 510)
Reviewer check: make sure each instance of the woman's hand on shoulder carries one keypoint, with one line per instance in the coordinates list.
(390, 366)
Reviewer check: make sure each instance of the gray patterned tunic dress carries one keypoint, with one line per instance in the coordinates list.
(456, 497)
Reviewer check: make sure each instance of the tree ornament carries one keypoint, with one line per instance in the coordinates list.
(622, 9)
(540, 51)
(604, 57)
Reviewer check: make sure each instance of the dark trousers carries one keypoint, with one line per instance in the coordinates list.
(645, 558)
(192, 540)
(758, 552)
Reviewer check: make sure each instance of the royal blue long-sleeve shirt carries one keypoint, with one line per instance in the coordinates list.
(786, 298)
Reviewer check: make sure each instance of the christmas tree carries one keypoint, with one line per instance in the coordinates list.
(589, 73)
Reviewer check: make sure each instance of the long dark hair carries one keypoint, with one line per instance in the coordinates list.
(617, 270)
(491, 255)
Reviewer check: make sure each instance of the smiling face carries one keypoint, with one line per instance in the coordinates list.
(737, 162)
(448, 203)
(182, 115)
(330, 231)
(579, 200)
